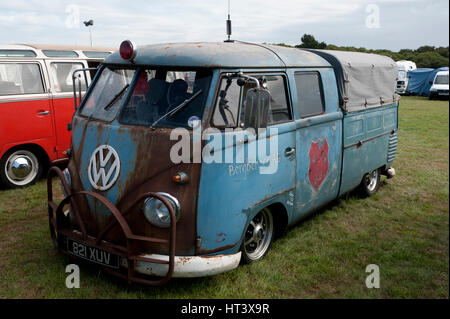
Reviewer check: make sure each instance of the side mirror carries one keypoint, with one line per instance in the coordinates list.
(431, 82)
(255, 110)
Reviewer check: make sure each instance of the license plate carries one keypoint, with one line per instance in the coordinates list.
(92, 254)
(443, 93)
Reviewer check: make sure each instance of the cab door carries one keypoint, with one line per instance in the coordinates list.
(25, 110)
(232, 191)
(60, 74)
(318, 139)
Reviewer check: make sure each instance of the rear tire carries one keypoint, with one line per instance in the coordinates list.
(370, 183)
(20, 168)
(258, 237)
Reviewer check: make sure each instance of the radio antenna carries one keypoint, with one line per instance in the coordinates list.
(229, 24)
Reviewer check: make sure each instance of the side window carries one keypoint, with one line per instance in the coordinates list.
(279, 108)
(61, 76)
(20, 78)
(227, 109)
(309, 93)
(227, 104)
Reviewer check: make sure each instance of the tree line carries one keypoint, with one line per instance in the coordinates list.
(425, 56)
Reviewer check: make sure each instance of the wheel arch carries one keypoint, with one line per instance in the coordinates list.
(279, 214)
(40, 151)
(280, 218)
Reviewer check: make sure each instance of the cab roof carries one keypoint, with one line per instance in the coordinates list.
(221, 55)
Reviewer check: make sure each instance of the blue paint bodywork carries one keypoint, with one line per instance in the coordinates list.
(230, 195)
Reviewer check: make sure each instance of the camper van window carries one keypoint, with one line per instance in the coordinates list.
(61, 76)
(158, 92)
(309, 93)
(17, 53)
(441, 79)
(60, 54)
(104, 100)
(96, 54)
(20, 78)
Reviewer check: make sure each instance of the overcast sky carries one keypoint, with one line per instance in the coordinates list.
(374, 24)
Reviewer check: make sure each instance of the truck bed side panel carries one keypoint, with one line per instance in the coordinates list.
(370, 142)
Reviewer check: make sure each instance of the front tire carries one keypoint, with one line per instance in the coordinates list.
(370, 183)
(258, 237)
(20, 168)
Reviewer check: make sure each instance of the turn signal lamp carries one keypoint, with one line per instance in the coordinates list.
(180, 178)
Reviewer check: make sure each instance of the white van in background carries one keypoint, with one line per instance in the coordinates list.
(402, 80)
(439, 86)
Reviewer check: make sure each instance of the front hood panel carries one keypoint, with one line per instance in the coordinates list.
(145, 166)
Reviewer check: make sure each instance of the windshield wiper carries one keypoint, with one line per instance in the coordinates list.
(177, 109)
(108, 106)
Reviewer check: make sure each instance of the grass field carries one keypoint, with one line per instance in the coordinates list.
(404, 229)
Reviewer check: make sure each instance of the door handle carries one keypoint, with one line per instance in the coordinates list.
(44, 113)
(289, 151)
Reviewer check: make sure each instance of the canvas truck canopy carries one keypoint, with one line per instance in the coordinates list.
(364, 80)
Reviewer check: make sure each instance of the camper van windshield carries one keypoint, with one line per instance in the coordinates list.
(401, 75)
(159, 92)
(441, 79)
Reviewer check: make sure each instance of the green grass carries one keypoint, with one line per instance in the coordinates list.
(404, 229)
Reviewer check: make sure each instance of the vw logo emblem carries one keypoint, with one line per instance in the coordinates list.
(104, 167)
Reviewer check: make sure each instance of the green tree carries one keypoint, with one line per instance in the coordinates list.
(430, 60)
(425, 48)
(442, 51)
(309, 42)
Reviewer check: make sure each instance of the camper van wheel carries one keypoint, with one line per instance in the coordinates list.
(20, 168)
(258, 237)
(370, 183)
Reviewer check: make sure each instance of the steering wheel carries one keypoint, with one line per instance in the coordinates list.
(176, 93)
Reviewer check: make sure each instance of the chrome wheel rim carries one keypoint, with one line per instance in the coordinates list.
(258, 235)
(371, 180)
(21, 167)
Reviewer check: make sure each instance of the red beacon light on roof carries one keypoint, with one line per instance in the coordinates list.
(127, 50)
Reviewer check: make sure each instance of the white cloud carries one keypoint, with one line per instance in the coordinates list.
(197, 20)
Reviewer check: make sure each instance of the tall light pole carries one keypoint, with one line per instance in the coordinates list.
(88, 24)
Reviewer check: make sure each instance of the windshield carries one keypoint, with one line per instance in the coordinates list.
(401, 75)
(106, 96)
(441, 79)
(158, 92)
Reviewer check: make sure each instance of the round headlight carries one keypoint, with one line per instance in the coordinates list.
(157, 213)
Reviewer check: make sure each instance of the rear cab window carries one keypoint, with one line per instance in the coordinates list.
(309, 93)
(20, 78)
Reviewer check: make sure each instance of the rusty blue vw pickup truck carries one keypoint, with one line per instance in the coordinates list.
(187, 159)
